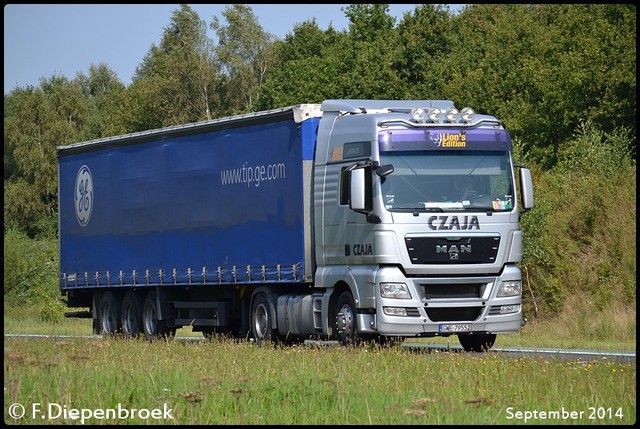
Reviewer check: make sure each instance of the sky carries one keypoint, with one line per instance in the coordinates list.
(42, 40)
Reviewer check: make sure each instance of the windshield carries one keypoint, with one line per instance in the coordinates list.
(451, 180)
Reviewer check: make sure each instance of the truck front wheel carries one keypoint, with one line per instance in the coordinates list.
(109, 314)
(344, 321)
(477, 342)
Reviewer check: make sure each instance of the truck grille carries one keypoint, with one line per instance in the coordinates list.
(443, 250)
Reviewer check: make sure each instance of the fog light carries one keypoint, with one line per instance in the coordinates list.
(452, 114)
(419, 115)
(435, 114)
(394, 311)
(467, 114)
(506, 309)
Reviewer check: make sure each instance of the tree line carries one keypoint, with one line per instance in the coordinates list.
(561, 78)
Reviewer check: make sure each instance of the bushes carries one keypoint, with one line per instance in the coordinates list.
(580, 238)
(30, 275)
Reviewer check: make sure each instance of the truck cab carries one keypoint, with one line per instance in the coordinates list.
(417, 212)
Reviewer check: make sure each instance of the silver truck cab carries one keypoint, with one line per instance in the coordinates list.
(416, 214)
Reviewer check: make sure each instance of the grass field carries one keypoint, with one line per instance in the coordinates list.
(223, 381)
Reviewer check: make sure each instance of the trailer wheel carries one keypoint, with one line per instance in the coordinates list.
(261, 319)
(131, 319)
(109, 314)
(153, 327)
(477, 342)
(344, 322)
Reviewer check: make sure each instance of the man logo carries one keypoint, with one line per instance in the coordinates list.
(454, 251)
(84, 195)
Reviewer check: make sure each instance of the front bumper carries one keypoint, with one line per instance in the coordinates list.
(438, 305)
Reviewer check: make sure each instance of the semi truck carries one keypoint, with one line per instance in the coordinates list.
(350, 220)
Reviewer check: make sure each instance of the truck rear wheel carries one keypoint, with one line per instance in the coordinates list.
(109, 314)
(131, 319)
(344, 321)
(477, 342)
(261, 319)
(153, 327)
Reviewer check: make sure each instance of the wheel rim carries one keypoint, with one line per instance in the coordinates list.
(344, 322)
(261, 321)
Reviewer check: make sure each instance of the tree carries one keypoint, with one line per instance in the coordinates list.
(544, 68)
(370, 61)
(316, 65)
(245, 52)
(308, 68)
(102, 89)
(37, 120)
(183, 70)
(367, 23)
(425, 41)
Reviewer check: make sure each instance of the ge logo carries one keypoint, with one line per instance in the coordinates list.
(84, 195)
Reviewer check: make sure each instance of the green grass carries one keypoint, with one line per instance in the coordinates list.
(237, 382)
(223, 381)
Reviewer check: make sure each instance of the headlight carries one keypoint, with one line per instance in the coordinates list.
(510, 288)
(394, 290)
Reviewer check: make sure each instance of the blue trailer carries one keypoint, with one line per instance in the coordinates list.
(276, 225)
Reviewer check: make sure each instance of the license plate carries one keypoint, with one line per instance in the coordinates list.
(455, 327)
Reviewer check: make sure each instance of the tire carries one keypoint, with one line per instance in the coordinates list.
(109, 314)
(477, 342)
(261, 320)
(344, 320)
(153, 327)
(131, 315)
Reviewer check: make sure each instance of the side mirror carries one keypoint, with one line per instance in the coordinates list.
(358, 197)
(361, 191)
(526, 187)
